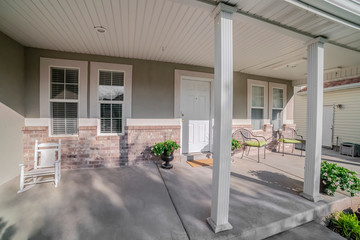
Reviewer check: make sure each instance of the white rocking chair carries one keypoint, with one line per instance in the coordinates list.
(46, 167)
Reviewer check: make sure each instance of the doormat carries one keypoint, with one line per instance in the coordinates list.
(201, 162)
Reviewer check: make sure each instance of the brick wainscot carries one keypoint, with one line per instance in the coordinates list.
(88, 150)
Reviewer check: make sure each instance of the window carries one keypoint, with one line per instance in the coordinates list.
(63, 94)
(257, 103)
(277, 104)
(111, 99)
(110, 96)
(64, 91)
(257, 107)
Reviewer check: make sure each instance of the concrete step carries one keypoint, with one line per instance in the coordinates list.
(311, 230)
(196, 156)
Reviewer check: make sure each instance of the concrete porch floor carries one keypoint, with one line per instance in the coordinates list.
(134, 202)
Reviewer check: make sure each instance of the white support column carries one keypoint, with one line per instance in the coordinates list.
(223, 105)
(315, 80)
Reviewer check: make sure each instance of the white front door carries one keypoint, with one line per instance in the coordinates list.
(328, 121)
(195, 110)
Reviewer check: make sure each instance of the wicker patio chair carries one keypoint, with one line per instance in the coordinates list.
(290, 136)
(250, 140)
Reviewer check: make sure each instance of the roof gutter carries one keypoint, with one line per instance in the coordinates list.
(287, 30)
(331, 89)
(323, 13)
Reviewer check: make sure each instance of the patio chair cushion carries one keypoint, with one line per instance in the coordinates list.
(255, 143)
(285, 140)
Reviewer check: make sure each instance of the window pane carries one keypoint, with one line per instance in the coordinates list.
(278, 98)
(64, 117)
(117, 93)
(57, 75)
(71, 92)
(118, 79)
(57, 91)
(105, 93)
(116, 110)
(72, 76)
(105, 110)
(105, 125)
(257, 96)
(105, 78)
(116, 126)
(257, 116)
(276, 119)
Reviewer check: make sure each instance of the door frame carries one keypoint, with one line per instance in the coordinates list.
(195, 76)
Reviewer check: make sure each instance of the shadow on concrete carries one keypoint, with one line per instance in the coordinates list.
(122, 203)
(7, 231)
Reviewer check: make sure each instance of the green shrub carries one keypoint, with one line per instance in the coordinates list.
(167, 147)
(347, 224)
(334, 177)
(235, 144)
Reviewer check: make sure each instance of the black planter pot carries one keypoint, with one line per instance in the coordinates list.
(167, 159)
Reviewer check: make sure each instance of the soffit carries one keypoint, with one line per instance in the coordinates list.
(176, 31)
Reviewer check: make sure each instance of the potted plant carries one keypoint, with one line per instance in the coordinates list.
(333, 177)
(166, 151)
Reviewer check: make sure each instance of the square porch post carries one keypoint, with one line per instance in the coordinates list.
(223, 105)
(315, 79)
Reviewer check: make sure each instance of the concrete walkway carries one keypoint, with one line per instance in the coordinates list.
(140, 203)
(124, 203)
(264, 197)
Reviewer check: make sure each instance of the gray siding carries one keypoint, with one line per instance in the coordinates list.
(11, 107)
(152, 84)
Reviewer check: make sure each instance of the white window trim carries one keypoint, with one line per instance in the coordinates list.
(250, 83)
(45, 65)
(284, 88)
(95, 67)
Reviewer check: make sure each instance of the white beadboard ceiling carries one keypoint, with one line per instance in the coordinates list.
(181, 31)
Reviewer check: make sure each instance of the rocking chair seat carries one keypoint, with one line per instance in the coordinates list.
(255, 143)
(287, 140)
(40, 172)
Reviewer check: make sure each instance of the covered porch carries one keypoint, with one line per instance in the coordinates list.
(147, 202)
(153, 47)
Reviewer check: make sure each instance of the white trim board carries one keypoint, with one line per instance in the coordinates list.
(153, 122)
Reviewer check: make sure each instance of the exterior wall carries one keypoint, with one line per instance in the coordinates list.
(346, 120)
(152, 82)
(11, 107)
(87, 150)
(240, 92)
(152, 98)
